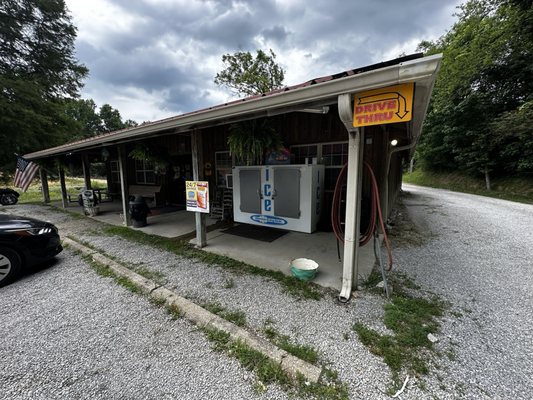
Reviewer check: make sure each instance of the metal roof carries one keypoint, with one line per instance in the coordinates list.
(322, 90)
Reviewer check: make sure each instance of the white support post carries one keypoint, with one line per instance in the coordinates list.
(124, 189)
(198, 175)
(353, 198)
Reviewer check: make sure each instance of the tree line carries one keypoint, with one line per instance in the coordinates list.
(40, 81)
(480, 119)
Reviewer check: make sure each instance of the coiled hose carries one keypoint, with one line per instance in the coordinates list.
(375, 207)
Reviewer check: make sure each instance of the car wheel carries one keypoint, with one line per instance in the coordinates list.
(9, 265)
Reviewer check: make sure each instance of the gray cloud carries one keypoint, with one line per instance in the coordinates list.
(169, 47)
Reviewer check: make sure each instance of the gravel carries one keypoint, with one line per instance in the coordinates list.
(117, 344)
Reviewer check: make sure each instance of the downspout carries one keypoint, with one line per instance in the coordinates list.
(353, 199)
(387, 163)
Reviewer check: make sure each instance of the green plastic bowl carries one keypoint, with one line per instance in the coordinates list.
(303, 268)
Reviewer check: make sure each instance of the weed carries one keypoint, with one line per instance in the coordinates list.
(229, 284)
(158, 301)
(174, 311)
(149, 274)
(299, 289)
(410, 319)
(329, 387)
(236, 317)
(304, 352)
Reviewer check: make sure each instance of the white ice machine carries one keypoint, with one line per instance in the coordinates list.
(279, 196)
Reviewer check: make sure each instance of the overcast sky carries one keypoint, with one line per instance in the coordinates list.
(152, 59)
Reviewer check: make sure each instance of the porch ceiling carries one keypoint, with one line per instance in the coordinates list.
(314, 93)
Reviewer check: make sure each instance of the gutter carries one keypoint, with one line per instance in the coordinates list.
(414, 70)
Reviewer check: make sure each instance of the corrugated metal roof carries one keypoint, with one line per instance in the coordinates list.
(99, 139)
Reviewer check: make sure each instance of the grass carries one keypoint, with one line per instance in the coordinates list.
(513, 188)
(236, 317)
(297, 288)
(35, 195)
(268, 371)
(410, 319)
(302, 351)
(105, 271)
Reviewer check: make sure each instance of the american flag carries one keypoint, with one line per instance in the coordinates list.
(24, 173)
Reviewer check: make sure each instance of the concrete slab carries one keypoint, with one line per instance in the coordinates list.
(170, 224)
(277, 255)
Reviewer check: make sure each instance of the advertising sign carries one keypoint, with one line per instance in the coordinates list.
(384, 106)
(197, 193)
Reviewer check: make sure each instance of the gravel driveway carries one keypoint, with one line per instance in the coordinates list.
(70, 333)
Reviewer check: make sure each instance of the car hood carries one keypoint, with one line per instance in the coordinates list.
(8, 221)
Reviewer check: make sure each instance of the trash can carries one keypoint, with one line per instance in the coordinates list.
(138, 211)
(90, 202)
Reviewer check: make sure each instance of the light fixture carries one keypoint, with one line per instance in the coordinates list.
(320, 110)
(105, 154)
(393, 142)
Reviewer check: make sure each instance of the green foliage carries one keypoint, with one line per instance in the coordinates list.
(248, 75)
(250, 140)
(411, 319)
(483, 81)
(514, 188)
(38, 69)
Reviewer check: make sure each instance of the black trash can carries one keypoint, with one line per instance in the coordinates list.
(138, 211)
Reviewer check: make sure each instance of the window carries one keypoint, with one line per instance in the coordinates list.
(303, 152)
(115, 172)
(222, 167)
(144, 172)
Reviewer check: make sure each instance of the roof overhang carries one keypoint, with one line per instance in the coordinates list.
(422, 71)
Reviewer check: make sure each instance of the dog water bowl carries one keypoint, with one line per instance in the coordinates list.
(303, 268)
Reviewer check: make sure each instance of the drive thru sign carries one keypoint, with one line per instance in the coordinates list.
(383, 106)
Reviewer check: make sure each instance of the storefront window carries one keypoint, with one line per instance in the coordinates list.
(222, 167)
(144, 172)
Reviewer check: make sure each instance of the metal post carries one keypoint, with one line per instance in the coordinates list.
(64, 199)
(44, 185)
(198, 174)
(86, 171)
(353, 198)
(124, 189)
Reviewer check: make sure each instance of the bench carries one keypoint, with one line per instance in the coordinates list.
(148, 192)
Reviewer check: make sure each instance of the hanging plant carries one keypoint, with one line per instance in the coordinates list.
(155, 155)
(250, 140)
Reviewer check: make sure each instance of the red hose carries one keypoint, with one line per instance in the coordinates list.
(374, 206)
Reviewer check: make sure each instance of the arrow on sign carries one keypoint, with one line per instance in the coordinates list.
(400, 101)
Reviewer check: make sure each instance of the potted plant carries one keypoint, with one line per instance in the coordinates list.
(250, 140)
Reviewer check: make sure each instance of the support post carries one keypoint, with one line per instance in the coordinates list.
(124, 189)
(86, 171)
(63, 185)
(198, 175)
(353, 198)
(44, 185)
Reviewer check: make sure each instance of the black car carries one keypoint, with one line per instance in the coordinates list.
(25, 242)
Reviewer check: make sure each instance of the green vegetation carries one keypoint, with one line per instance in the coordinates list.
(267, 371)
(480, 120)
(104, 270)
(304, 352)
(34, 193)
(236, 317)
(293, 286)
(410, 319)
(174, 311)
(514, 188)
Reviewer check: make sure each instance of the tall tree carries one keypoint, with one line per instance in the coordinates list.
(486, 70)
(37, 69)
(247, 75)
(81, 118)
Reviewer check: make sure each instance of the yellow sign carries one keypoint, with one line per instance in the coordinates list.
(197, 195)
(384, 106)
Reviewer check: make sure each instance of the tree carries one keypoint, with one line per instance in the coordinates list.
(247, 75)
(37, 70)
(111, 119)
(485, 73)
(82, 118)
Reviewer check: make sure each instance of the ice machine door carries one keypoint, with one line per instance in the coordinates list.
(286, 196)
